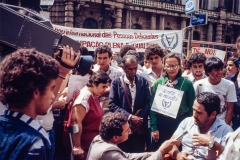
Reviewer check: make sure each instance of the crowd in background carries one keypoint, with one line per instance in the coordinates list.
(129, 88)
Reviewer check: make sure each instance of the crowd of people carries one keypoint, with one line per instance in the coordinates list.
(112, 116)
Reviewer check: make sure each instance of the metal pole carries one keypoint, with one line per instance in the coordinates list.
(102, 19)
(189, 52)
(189, 39)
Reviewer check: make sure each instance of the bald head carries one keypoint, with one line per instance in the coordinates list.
(130, 64)
(129, 58)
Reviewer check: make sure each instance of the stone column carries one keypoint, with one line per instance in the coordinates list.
(210, 31)
(69, 13)
(128, 19)
(183, 23)
(219, 33)
(153, 21)
(162, 22)
(118, 21)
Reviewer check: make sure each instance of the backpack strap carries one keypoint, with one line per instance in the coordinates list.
(125, 92)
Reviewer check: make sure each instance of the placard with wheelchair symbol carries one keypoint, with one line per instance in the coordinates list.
(167, 101)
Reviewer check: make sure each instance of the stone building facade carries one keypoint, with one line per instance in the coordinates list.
(223, 19)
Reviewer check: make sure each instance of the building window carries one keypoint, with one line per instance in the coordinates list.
(203, 4)
(167, 28)
(136, 26)
(183, 2)
(227, 39)
(196, 35)
(168, 1)
(90, 23)
(237, 6)
(212, 5)
(228, 4)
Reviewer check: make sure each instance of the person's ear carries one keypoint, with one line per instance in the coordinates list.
(36, 94)
(213, 114)
(115, 138)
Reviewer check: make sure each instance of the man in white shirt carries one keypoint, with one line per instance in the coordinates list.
(214, 83)
(205, 133)
(103, 54)
(154, 53)
(196, 63)
(114, 63)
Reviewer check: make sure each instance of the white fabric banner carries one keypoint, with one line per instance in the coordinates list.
(209, 52)
(167, 101)
(116, 38)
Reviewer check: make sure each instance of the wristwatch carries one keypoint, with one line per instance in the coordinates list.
(211, 143)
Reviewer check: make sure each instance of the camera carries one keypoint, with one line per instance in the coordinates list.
(28, 29)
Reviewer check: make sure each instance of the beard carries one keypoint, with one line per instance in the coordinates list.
(198, 74)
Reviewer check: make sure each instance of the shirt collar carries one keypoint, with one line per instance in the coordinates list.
(192, 78)
(108, 71)
(29, 121)
(125, 79)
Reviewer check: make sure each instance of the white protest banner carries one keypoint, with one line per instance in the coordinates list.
(209, 52)
(116, 38)
(167, 101)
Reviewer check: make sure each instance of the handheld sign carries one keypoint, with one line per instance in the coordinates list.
(167, 101)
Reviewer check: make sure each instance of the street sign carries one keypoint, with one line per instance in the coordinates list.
(198, 19)
(191, 6)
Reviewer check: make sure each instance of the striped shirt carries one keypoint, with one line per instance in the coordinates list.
(37, 150)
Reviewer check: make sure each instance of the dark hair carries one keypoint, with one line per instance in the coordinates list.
(124, 49)
(134, 53)
(22, 73)
(132, 58)
(111, 125)
(212, 63)
(103, 49)
(173, 55)
(235, 61)
(84, 51)
(153, 49)
(97, 78)
(210, 101)
(197, 58)
(187, 65)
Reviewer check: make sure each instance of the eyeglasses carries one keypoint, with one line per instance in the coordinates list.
(175, 66)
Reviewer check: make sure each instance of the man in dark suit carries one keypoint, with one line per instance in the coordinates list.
(134, 102)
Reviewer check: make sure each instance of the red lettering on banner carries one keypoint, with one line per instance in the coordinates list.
(125, 36)
(106, 35)
(145, 36)
(91, 44)
(210, 51)
(196, 49)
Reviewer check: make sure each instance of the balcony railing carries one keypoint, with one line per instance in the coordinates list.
(177, 8)
(143, 2)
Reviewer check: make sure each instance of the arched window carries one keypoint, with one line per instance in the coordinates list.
(167, 28)
(90, 23)
(136, 26)
(227, 39)
(196, 35)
